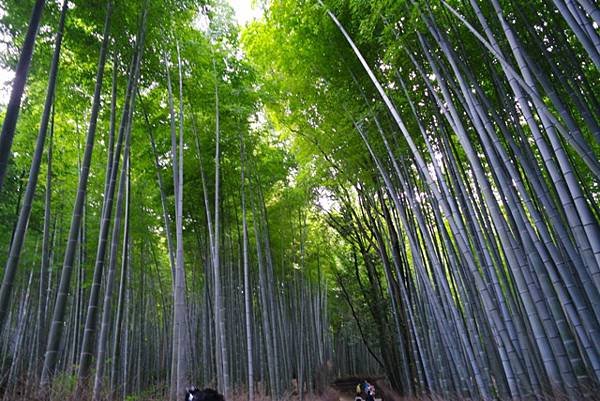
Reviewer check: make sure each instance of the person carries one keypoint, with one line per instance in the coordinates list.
(359, 390)
(370, 393)
(208, 394)
(363, 387)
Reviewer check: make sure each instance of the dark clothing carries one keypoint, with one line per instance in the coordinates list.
(208, 394)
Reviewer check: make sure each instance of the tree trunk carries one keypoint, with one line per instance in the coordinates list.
(61, 300)
(87, 346)
(18, 86)
(21, 228)
(247, 286)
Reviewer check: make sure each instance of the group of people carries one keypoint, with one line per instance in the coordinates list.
(365, 391)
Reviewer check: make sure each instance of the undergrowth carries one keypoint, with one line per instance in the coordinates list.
(64, 390)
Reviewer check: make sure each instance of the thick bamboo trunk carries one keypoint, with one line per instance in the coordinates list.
(87, 347)
(106, 307)
(25, 212)
(63, 289)
(14, 103)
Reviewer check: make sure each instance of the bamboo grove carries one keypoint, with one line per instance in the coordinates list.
(162, 246)
(458, 141)
(343, 187)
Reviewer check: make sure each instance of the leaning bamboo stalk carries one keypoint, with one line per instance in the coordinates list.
(61, 297)
(85, 358)
(14, 103)
(27, 203)
(106, 308)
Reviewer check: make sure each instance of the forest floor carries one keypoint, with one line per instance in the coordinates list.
(343, 389)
